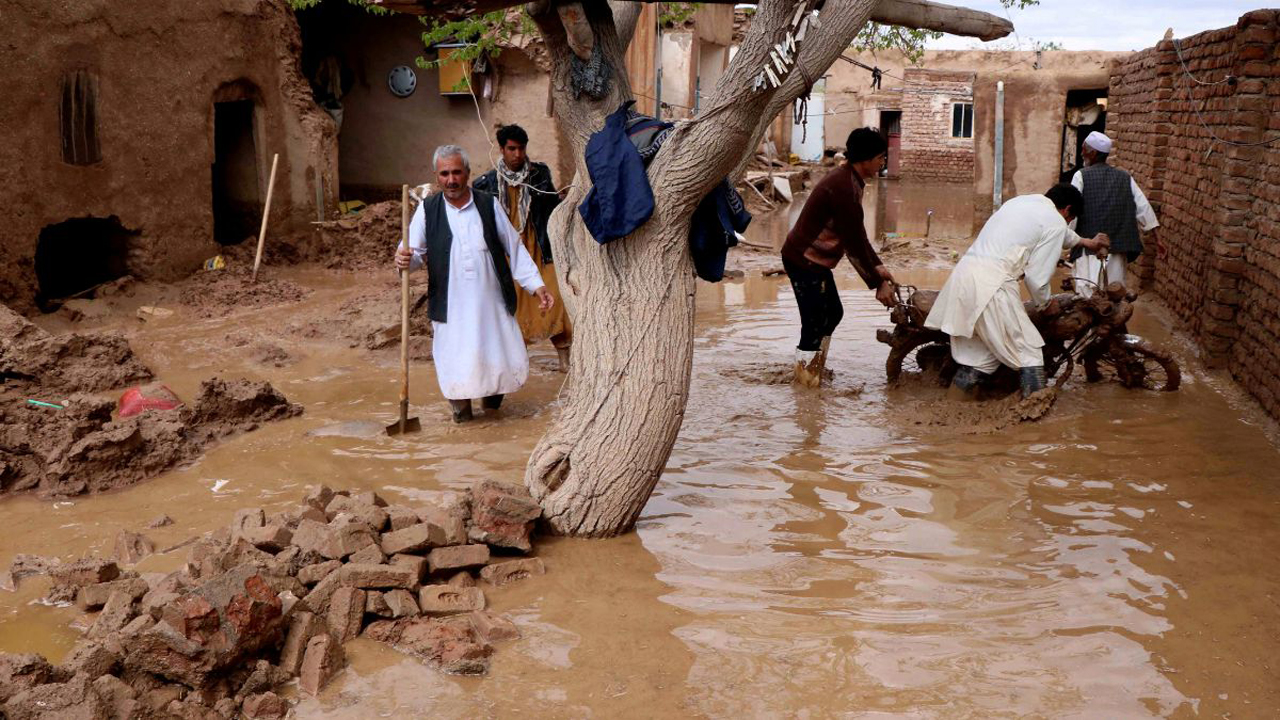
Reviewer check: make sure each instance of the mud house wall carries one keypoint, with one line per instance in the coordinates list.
(386, 140)
(929, 151)
(157, 69)
(1035, 105)
(1035, 102)
(1219, 211)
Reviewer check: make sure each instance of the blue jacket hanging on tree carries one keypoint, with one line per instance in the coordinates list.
(621, 200)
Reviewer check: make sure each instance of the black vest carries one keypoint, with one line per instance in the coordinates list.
(439, 241)
(1109, 208)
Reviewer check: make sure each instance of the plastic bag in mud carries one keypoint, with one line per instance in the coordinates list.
(153, 396)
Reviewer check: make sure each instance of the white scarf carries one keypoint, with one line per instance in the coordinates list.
(515, 178)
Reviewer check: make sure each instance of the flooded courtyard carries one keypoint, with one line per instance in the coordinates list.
(806, 554)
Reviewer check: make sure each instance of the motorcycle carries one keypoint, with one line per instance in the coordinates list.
(1077, 330)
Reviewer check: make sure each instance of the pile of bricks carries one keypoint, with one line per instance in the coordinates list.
(1194, 139)
(274, 597)
(929, 152)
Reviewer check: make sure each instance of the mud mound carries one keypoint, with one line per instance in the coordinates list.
(370, 320)
(30, 358)
(271, 354)
(81, 449)
(225, 408)
(976, 418)
(365, 240)
(219, 292)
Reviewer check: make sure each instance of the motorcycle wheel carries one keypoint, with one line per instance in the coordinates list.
(923, 355)
(1136, 363)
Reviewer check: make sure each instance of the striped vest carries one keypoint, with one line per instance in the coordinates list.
(1109, 208)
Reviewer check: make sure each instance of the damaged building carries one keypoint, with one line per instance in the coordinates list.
(140, 139)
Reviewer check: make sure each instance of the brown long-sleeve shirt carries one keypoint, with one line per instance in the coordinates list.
(830, 226)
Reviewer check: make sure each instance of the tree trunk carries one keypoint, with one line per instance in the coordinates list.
(632, 300)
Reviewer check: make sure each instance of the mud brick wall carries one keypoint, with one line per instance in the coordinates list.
(928, 150)
(1198, 139)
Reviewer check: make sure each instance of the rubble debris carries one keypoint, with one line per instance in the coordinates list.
(132, 547)
(159, 522)
(502, 515)
(272, 597)
(502, 573)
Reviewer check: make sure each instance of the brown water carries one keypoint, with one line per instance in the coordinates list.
(805, 555)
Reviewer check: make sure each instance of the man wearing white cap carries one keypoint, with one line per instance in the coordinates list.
(1113, 205)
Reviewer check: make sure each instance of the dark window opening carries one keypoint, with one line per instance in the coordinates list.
(78, 119)
(962, 120)
(78, 254)
(237, 202)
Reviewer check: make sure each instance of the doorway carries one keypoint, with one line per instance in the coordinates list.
(1086, 112)
(237, 200)
(891, 128)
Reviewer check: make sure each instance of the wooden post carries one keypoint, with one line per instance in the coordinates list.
(404, 311)
(266, 212)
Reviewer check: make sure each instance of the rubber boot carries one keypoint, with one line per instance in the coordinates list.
(492, 402)
(1032, 379)
(964, 385)
(819, 365)
(805, 361)
(461, 410)
(563, 354)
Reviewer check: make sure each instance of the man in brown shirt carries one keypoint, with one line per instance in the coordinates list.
(830, 226)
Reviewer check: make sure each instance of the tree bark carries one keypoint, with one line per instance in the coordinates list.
(632, 300)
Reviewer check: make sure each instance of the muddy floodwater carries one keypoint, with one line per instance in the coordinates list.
(805, 555)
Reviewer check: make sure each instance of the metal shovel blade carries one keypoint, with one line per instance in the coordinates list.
(408, 425)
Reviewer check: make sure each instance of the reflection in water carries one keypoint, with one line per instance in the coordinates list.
(805, 554)
(935, 210)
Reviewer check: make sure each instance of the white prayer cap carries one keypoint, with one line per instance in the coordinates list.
(1099, 142)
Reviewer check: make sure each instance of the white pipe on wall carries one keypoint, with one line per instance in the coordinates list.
(997, 185)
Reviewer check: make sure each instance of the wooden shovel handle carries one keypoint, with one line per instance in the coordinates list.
(404, 307)
(266, 212)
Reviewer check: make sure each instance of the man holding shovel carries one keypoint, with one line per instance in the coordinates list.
(472, 254)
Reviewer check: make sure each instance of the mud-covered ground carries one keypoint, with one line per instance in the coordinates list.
(856, 551)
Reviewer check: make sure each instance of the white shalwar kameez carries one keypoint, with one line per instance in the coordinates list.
(980, 307)
(1088, 266)
(479, 352)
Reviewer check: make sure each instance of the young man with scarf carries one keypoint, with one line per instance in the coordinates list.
(831, 227)
(528, 195)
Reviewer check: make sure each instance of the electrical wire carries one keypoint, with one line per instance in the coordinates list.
(493, 165)
(1177, 46)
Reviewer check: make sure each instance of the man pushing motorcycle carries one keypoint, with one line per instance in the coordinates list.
(980, 307)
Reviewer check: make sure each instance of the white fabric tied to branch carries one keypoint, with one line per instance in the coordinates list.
(783, 56)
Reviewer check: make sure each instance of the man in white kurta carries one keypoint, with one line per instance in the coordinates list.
(1109, 202)
(479, 351)
(980, 306)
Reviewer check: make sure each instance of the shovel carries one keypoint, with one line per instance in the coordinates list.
(405, 424)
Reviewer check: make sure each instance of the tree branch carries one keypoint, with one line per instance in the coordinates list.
(716, 143)
(625, 16)
(916, 14)
(925, 15)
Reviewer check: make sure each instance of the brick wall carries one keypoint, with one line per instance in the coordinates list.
(1217, 198)
(928, 150)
